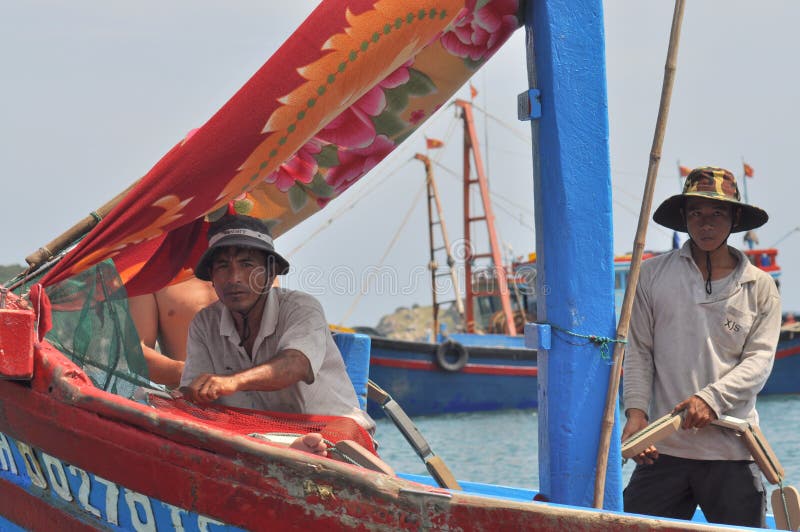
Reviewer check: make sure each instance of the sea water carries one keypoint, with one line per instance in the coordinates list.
(502, 447)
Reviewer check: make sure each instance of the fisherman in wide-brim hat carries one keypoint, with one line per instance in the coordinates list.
(703, 334)
(716, 189)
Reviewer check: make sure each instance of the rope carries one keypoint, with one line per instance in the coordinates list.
(600, 341)
(96, 216)
(365, 286)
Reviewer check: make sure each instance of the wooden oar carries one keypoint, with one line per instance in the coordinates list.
(609, 414)
(436, 466)
(55, 246)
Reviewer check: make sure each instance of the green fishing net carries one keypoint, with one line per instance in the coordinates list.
(92, 326)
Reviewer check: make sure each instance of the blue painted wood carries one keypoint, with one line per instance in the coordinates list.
(434, 392)
(572, 195)
(355, 350)
(95, 501)
(488, 340)
(8, 526)
(538, 336)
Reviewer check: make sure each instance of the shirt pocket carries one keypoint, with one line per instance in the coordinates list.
(730, 328)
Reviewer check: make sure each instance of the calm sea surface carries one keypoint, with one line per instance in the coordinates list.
(502, 447)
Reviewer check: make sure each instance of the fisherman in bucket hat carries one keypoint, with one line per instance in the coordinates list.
(703, 335)
(262, 347)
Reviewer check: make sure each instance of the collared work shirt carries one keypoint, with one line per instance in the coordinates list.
(685, 342)
(291, 320)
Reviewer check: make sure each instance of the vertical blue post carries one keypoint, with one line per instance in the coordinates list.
(572, 188)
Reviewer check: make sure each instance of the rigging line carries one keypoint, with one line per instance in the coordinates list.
(784, 237)
(515, 217)
(365, 284)
(510, 127)
(348, 206)
(494, 195)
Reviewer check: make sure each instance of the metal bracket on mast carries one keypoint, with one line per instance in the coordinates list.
(529, 105)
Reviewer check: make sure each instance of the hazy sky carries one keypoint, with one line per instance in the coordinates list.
(93, 93)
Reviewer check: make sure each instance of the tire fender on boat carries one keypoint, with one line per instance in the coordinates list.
(451, 356)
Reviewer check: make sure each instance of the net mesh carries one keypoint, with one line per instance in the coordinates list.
(244, 421)
(93, 327)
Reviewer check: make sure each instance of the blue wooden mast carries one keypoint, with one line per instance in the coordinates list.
(575, 283)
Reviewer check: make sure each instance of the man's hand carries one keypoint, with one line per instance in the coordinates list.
(637, 420)
(208, 387)
(697, 414)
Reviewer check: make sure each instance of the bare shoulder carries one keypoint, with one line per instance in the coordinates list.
(185, 299)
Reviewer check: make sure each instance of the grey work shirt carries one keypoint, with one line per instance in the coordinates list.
(685, 342)
(291, 320)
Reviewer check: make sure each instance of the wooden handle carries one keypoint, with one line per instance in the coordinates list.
(441, 473)
(55, 246)
(377, 394)
(609, 414)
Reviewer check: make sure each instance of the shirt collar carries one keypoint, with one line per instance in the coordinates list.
(269, 320)
(745, 271)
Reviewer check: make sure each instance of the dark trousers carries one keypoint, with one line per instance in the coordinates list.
(728, 492)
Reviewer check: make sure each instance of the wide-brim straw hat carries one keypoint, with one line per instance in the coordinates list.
(239, 231)
(715, 184)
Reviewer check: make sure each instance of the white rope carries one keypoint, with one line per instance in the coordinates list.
(365, 285)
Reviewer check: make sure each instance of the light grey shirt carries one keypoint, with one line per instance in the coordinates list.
(291, 320)
(685, 342)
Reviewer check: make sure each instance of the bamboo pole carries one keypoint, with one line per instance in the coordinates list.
(638, 248)
(55, 246)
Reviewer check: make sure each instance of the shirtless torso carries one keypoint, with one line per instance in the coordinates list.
(164, 316)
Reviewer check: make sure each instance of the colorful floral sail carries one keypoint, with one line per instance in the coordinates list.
(354, 81)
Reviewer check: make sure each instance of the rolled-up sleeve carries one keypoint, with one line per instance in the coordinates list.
(306, 329)
(638, 363)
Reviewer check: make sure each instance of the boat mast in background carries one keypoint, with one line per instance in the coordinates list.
(433, 266)
(498, 283)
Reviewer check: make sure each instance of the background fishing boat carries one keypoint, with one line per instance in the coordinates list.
(80, 450)
(486, 366)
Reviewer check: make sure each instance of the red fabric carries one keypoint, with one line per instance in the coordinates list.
(245, 421)
(43, 308)
(748, 170)
(186, 183)
(327, 107)
(179, 250)
(684, 170)
(433, 143)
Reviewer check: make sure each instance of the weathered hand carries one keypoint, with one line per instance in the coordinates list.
(636, 422)
(208, 387)
(697, 414)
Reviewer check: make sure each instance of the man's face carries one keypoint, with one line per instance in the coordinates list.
(708, 221)
(240, 276)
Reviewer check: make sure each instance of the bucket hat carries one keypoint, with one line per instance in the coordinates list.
(711, 183)
(240, 231)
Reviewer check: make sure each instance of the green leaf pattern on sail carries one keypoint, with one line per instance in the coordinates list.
(389, 124)
(297, 197)
(320, 188)
(419, 84)
(328, 157)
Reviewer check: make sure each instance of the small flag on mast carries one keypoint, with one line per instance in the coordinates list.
(748, 170)
(684, 170)
(473, 92)
(432, 144)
